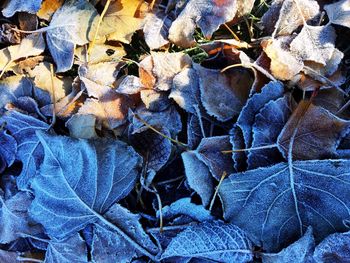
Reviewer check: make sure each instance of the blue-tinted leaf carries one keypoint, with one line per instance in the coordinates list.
(300, 251)
(185, 90)
(8, 149)
(184, 206)
(74, 23)
(281, 201)
(129, 85)
(13, 88)
(155, 100)
(14, 217)
(211, 240)
(246, 118)
(268, 125)
(69, 250)
(196, 130)
(29, 150)
(318, 132)
(209, 152)
(79, 180)
(237, 141)
(333, 249)
(7, 256)
(154, 148)
(109, 247)
(168, 118)
(198, 176)
(14, 6)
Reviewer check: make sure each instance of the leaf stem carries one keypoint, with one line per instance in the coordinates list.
(91, 45)
(217, 191)
(252, 148)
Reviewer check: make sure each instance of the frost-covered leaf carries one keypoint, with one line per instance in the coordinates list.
(32, 45)
(14, 217)
(72, 249)
(7, 256)
(110, 247)
(276, 204)
(318, 133)
(73, 24)
(333, 249)
(13, 6)
(169, 119)
(206, 14)
(338, 13)
(223, 94)
(268, 124)
(69, 196)
(209, 152)
(284, 64)
(125, 17)
(288, 15)
(315, 43)
(197, 129)
(158, 70)
(255, 103)
(198, 176)
(29, 150)
(109, 107)
(156, 29)
(155, 100)
(82, 126)
(211, 240)
(185, 90)
(8, 149)
(185, 207)
(154, 148)
(300, 251)
(238, 142)
(129, 85)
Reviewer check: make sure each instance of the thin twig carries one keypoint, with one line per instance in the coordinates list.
(217, 190)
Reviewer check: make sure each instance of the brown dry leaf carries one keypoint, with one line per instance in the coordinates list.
(318, 133)
(27, 22)
(284, 65)
(48, 7)
(125, 17)
(158, 70)
(339, 13)
(109, 107)
(41, 75)
(32, 45)
(315, 43)
(208, 15)
(23, 66)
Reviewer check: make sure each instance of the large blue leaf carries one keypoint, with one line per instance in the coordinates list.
(211, 240)
(79, 181)
(8, 149)
(14, 6)
(29, 150)
(276, 204)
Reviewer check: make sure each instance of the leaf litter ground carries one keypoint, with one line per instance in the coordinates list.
(174, 131)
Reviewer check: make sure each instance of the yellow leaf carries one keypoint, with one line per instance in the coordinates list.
(125, 17)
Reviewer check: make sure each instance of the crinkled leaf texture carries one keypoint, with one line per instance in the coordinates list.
(211, 240)
(29, 150)
(282, 200)
(79, 180)
(338, 13)
(8, 149)
(300, 251)
(333, 249)
(69, 250)
(14, 6)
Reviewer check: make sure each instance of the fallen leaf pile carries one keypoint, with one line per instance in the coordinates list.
(174, 131)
